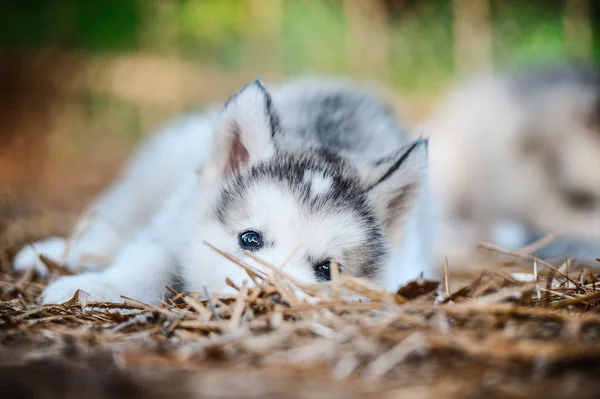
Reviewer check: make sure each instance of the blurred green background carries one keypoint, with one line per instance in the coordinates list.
(310, 34)
(81, 81)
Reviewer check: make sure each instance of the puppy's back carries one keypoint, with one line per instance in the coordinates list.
(340, 116)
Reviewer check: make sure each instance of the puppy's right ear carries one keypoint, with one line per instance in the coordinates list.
(245, 131)
(395, 182)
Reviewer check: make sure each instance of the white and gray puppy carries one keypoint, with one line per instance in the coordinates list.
(318, 171)
(520, 150)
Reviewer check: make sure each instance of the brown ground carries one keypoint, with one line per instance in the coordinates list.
(483, 335)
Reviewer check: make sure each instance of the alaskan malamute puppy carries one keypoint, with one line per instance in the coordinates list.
(316, 171)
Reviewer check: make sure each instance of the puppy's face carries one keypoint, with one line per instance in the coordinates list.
(297, 211)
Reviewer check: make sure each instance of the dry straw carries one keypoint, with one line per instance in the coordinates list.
(504, 330)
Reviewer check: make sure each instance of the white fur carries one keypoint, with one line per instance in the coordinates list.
(416, 254)
(319, 183)
(321, 235)
(29, 257)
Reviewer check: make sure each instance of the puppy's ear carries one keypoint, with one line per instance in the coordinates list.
(395, 183)
(245, 131)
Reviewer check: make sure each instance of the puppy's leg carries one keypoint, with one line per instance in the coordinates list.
(140, 271)
(146, 263)
(148, 179)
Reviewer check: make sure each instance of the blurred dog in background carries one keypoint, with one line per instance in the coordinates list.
(516, 155)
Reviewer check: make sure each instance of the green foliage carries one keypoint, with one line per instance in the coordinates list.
(422, 46)
(33, 23)
(107, 25)
(312, 34)
(212, 29)
(526, 32)
(595, 16)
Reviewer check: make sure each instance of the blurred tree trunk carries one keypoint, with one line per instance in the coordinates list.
(578, 28)
(28, 98)
(472, 35)
(367, 38)
(595, 27)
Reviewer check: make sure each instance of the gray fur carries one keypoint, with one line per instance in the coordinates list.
(337, 115)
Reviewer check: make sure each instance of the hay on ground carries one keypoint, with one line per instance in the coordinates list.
(519, 328)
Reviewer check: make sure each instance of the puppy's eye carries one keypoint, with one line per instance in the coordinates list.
(580, 199)
(250, 240)
(322, 270)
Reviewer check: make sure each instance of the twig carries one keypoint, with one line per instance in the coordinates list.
(211, 305)
(494, 248)
(240, 305)
(237, 261)
(446, 276)
(539, 244)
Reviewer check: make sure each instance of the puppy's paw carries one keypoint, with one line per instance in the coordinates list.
(29, 257)
(99, 288)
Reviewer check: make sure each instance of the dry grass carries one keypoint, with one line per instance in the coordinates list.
(484, 334)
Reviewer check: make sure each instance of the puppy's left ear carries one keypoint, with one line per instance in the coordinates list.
(395, 183)
(245, 133)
